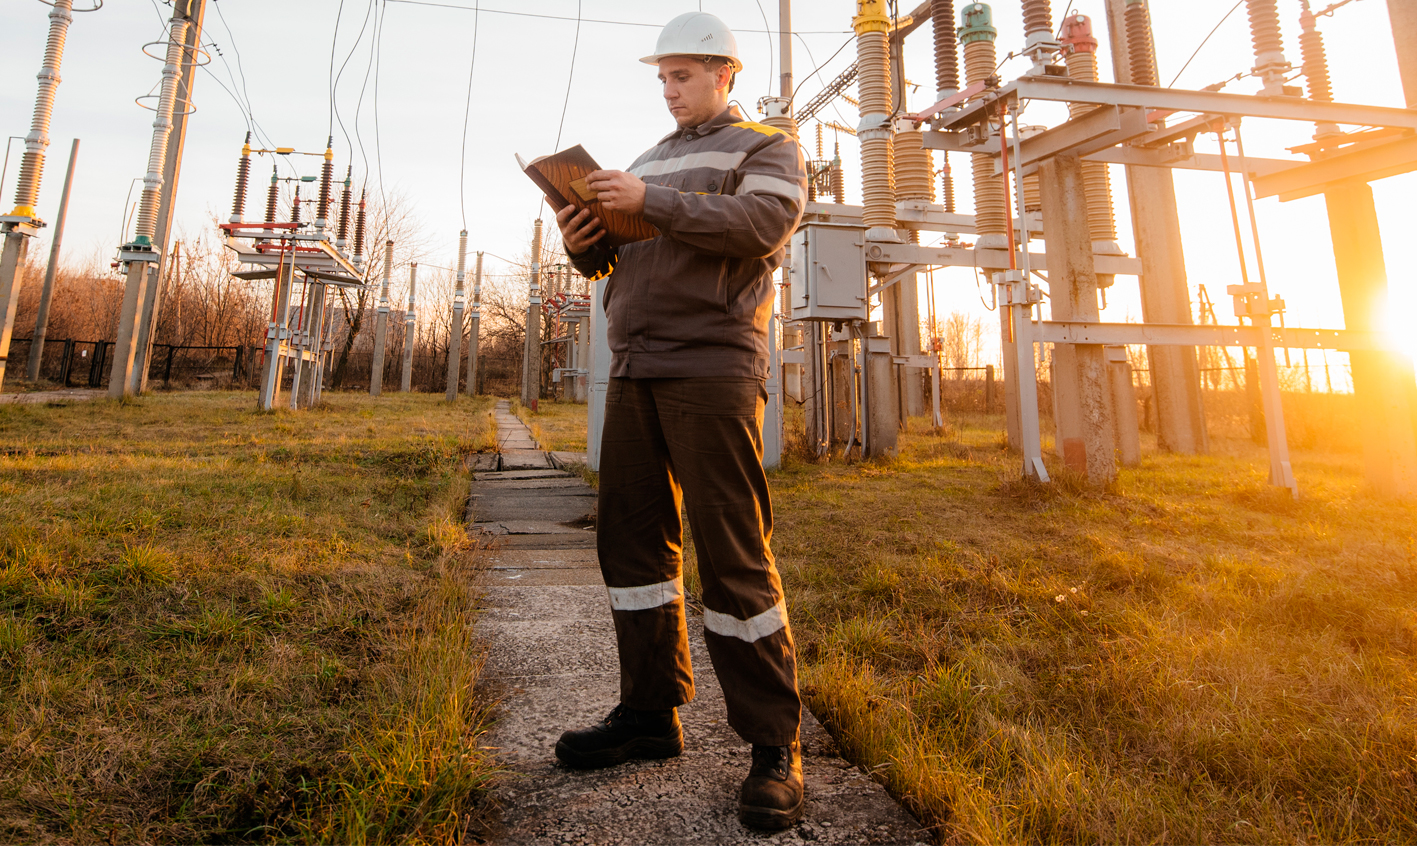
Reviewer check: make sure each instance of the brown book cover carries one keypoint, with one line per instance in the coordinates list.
(561, 176)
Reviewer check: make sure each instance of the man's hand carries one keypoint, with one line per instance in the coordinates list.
(579, 231)
(619, 191)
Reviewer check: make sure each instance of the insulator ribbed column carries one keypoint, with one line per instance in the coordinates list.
(359, 231)
(162, 128)
(942, 16)
(295, 206)
(1270, 65)
(37, 141)
(344, 208)
(243, 179)
(1037, 21)
(977, 35)
(388, 272)
(1080, 48)
(1315, 57)
(272, 197)
(327, 176)
(1141, 51)
(914, 170)
(462, 268)
(874, 85)
(947, 184)
(838, 179)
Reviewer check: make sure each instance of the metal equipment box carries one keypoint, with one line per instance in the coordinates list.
(828, 272)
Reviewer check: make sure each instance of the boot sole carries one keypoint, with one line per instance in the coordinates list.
(639, 749)
(771, 819)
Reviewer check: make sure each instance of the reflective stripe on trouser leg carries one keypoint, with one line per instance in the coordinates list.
(639, 537)
(713, 429)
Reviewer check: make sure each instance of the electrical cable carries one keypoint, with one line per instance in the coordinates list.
(378, 150)
(335, 93)
(575, 46)
(339, 13)
(359, 104)
(815, 70)
(467, 112)
(589, 20)
(1237, 5)
(767, 29)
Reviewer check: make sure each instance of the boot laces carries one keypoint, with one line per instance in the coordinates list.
(771, 759)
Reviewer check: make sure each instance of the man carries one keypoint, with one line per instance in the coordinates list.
(688, 315)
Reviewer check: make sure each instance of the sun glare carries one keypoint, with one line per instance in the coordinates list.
(1402, 306)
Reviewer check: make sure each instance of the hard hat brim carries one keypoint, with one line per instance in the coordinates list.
(732, 60)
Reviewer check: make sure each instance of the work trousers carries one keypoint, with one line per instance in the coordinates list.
(668, 443)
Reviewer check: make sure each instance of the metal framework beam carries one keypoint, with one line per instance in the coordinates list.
(1187, 335)
(916, 254)
(1366, 165)
(1064, 90)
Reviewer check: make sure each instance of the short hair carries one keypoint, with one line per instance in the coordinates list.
(716, 62)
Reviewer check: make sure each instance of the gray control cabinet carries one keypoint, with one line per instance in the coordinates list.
(828, 272)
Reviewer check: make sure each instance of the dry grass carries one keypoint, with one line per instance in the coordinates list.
(557, 426)
(1191, 657)
(222, 625)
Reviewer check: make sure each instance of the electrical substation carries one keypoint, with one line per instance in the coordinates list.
(847, 334)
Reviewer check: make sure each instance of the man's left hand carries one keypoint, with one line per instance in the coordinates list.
(619, 191)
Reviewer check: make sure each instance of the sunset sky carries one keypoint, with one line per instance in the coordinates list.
(520, 83)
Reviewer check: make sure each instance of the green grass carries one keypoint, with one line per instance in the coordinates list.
(1191, 656)
(218, 624)
(556, 426)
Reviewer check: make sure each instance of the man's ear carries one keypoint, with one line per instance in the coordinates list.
(723, 78)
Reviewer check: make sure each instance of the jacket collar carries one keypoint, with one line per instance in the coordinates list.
(727, 117)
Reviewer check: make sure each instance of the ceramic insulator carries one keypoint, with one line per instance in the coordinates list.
(1096, 179)
(162, 128)
(914, 171)
(942, 14)
(1141, 52)
(990, 219)
(877, 165)
(32, 164)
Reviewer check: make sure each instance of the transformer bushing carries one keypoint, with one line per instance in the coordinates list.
(874, 85)
(162, 129)
(37, 141)
(914, 168)
(777, 114)
(1315, 58)
(1270, 64)
(243, 180)
(1080, 52)
(455, 328)
(1141, 51)
(359, 233)
(942, 18)
(1038, 33)
(327, 174)
(976, 35)
(343, 232)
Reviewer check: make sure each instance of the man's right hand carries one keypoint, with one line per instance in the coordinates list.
(579, 231)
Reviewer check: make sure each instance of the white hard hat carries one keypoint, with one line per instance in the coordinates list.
(696, 34)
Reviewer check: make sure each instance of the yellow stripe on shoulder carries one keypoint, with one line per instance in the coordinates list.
(760, 127)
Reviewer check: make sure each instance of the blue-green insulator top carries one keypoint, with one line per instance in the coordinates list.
(977, 24)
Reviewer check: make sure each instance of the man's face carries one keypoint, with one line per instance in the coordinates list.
(693, 89)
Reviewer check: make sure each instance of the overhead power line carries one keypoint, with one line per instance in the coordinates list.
(467, 112)
(487, 11)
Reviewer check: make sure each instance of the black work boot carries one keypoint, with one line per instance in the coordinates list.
(772, 797)
(624, 735)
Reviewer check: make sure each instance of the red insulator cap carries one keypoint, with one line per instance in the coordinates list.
(1077, 34)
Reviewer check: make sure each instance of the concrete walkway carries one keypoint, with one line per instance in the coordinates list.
(552, 663)
(60, 395)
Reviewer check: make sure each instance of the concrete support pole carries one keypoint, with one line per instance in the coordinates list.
(12, 270)
(18, 232)
(46, 294)
(300, 343)
(1382, 382)
(531, 359)
(1085, 427)
(1403, 15)
(474, 328)
(172, 170)
(455, 328)
(276, 334)
(814, 385)
(1126, 429)
(381, 326)
(142, 251)
(1165, 292)
(410, 329)
(314, 347)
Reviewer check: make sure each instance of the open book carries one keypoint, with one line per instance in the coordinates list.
(561, 176)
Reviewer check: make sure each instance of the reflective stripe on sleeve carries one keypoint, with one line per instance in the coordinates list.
(709, 158)
(644, 597)
(752, 629)
(761, 183)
